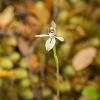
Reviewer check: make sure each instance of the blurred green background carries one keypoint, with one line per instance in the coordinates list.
(28, 71)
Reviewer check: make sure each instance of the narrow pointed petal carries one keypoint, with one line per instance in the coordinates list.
(60, 38)
(53, 24)
(42, 35)
(50, 43)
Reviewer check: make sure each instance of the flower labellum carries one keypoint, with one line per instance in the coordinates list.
(52, 38)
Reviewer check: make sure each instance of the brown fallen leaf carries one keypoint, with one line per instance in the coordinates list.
(83, 58)
(49, 4)
(23, 45)
(30, 7)
(32, 62)
(93, 83)
(83, 98)
(26, 30)
(6, 16)
(78, 10)
(34, 18)
(79, 29)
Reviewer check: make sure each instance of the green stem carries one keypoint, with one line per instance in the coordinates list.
(57, 66)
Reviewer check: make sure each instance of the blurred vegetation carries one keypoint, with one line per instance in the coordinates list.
(28, 71)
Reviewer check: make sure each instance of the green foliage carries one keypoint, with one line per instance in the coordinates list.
(91, 92)
(5, 63)
(27, 94)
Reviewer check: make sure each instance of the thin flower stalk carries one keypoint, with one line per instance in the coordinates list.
(57, 67)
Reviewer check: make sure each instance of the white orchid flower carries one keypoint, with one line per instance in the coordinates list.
(52, 38)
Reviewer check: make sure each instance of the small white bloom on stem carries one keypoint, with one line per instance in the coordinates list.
(51, 34)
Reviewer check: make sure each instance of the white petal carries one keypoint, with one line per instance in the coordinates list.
(50, 43)
(60, 38)
(42, 35)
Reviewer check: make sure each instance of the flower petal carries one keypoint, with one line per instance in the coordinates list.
(42, 35)
(50, 43)
(53, 24)
(60, 38)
